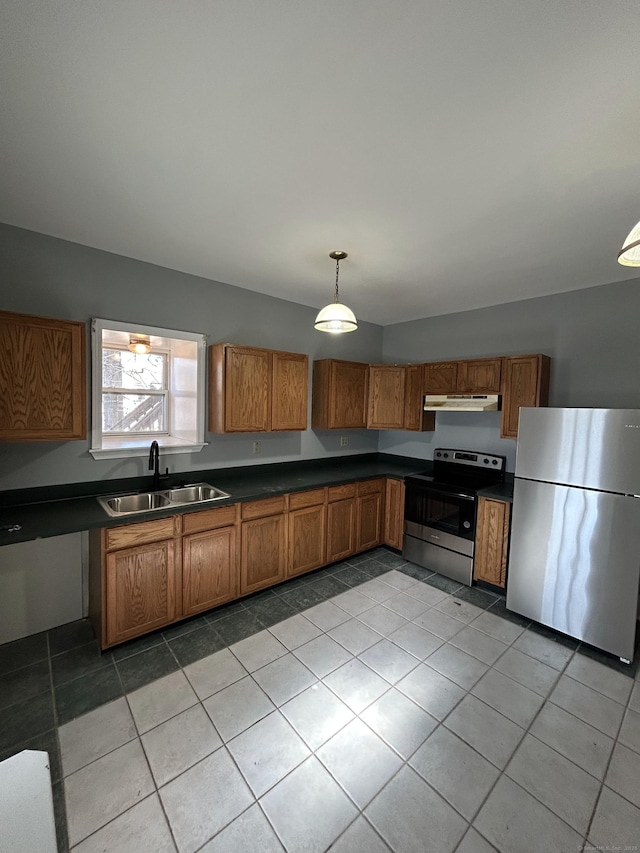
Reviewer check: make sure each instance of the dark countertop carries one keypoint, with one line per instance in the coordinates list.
(501, 491)
(55, 510)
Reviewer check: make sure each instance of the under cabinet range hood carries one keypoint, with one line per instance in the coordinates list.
(461, 403)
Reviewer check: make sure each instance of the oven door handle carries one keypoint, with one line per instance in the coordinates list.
(437, 491)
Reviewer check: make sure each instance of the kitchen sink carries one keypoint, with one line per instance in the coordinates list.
(195, 493)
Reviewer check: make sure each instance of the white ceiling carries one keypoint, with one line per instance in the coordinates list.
(463, 152)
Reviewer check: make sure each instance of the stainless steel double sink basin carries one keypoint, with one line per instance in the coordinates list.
(196, 493)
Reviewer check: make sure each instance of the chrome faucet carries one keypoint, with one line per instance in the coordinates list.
(154, 464)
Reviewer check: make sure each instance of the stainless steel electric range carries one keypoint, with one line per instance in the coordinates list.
(440, 510)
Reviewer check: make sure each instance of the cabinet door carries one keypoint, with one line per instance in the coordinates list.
(415, 418)
(369, 523)
(394, 513)
(386, 396)
(341, 529)
(263, 553)
(141, 585)
(525, 383)
(307, 539)
(492, 541)
(441, 377)
(289, 391)
(348, 395)
(247, 389)
(42, 379)
(209, 574)
(481, 376)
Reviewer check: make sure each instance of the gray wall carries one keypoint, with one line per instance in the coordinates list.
(591, 335)
(51, 277)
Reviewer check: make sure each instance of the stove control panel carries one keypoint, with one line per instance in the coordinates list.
(469, 457)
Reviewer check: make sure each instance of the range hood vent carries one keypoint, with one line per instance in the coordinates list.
(461, 403)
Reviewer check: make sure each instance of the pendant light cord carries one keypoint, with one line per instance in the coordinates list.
(337, 299)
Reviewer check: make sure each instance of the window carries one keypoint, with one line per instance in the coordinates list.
(142, 396)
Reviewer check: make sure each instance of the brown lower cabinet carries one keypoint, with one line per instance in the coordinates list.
(341, 522)
(307, 532)
(149, 574)
(209, 559)
(394, 513)
(492, 541)
(370, 514)
(263, 544)
(134, 584)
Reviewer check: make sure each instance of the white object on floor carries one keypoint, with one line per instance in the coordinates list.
(26, 804)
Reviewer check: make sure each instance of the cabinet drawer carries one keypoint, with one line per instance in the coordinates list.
(139, 534)
(370, 487)
(260, 509)
(300, 500)
(209, 519)
(339, 493)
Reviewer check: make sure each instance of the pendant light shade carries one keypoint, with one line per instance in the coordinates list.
(629, 254)
(336, 318)
(140, 344)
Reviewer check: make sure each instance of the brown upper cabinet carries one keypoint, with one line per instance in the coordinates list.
(395, 398)
(42, 379)
(478, 376)
(525, 382)
(441, 377)
(340, 394)
(256, 390)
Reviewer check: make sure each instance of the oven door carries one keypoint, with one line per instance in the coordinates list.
(439, 530)
(450, 512)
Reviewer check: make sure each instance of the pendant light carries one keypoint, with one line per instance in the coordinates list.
(629, 254)
(336, 318)
(140, 344)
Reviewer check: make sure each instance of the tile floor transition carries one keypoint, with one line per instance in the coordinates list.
(370, 706)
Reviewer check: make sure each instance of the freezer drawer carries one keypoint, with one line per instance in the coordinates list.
(574, 562)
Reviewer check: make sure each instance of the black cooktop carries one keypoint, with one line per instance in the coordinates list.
(463, 470)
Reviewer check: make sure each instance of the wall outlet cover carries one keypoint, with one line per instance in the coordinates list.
(344, 441)
(257, 446)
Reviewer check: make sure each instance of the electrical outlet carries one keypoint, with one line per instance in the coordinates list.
(257, 447)
(344, 441)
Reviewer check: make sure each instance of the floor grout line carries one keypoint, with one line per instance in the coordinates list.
(405, 762)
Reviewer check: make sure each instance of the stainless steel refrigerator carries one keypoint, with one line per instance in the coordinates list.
(574, 562)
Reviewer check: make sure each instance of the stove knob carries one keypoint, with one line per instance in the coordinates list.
(438, 453)
(495, 462)
(446, 455)
(486, 461)
(466, 524)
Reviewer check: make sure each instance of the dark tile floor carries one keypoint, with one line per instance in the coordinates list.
(52, 678)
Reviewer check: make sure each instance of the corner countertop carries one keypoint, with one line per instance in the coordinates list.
(56, 510)
(499, 492)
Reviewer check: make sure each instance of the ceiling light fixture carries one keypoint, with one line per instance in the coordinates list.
(629, 254)
(336, 318)
(140, 344)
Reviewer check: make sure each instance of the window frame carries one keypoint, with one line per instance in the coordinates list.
(137, 445)
(151, 392)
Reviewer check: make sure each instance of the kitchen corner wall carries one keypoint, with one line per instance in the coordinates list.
(51, 277)
(591, 335)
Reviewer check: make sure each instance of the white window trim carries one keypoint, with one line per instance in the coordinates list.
(139, 446)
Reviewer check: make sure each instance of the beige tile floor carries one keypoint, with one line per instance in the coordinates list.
(394, 716)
